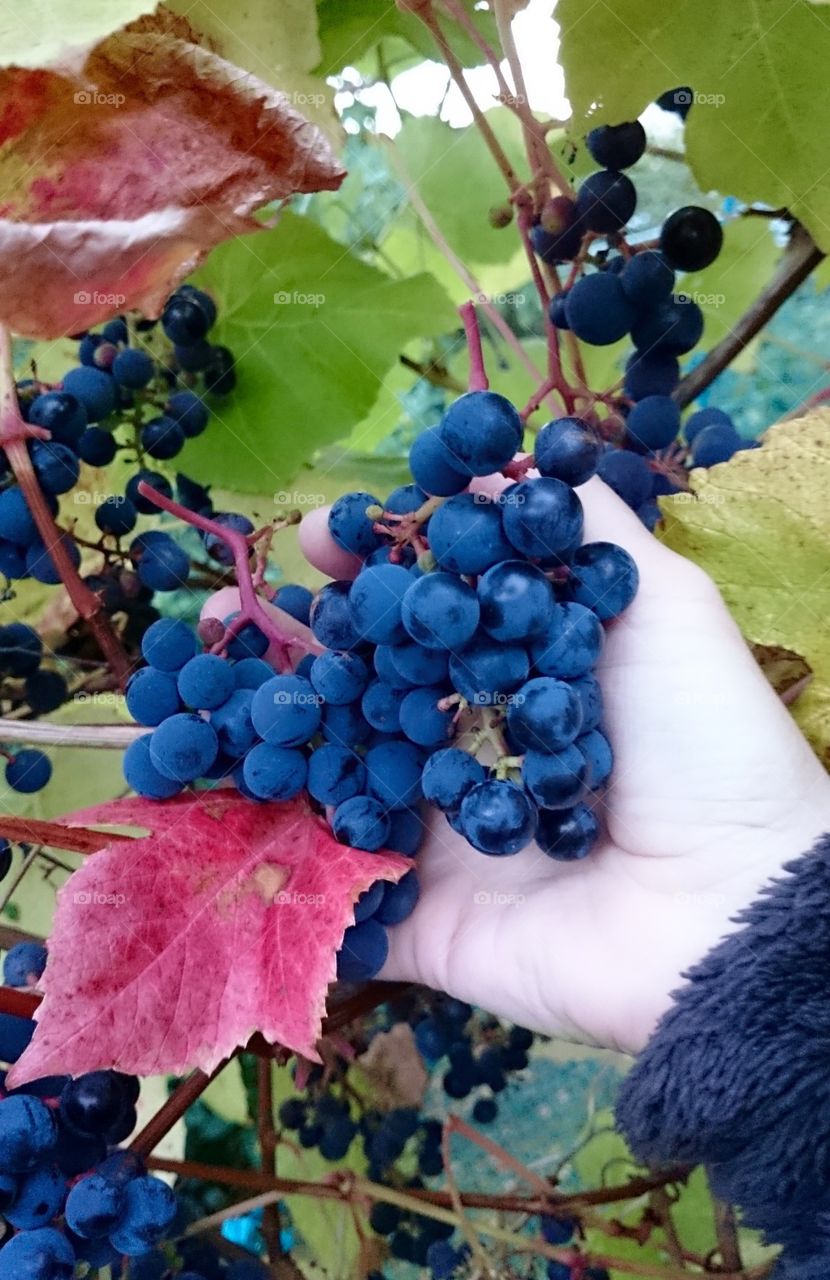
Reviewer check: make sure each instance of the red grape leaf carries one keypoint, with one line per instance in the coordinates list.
(115, 185)
(169, 951)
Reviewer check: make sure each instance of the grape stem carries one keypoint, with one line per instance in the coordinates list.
(45, 733)
(14, 437)
(478, 374)
(251, 609)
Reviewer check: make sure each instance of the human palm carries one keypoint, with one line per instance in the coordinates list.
(713, 790)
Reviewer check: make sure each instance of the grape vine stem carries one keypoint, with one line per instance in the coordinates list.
(14, 436)
(45, 733)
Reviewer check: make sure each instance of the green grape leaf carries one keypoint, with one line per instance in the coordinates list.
(350, 30)
(760, 526)
(35, 35)
(314, 331)
(757, 124)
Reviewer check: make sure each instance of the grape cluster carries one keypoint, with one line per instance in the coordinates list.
(631, 292)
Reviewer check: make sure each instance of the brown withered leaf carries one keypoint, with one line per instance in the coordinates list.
(394, 1069)
(788, 673)
(114, 188)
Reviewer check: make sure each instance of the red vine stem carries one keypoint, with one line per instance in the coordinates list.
(478, 374)
(14, 433)
(55, 834)
(251, 609)
(182, 1097)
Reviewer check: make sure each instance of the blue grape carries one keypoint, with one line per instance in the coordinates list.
(364, 951)
(349, 525)
(556, 780)
(163, 565)
(421, 718)
(381, 706)
(150, 1207)
(485, 1111)
(605, 201)
(558, 245)
(339, 678)
(399, 900)
(617, 146)
(335, 774)
(543, 518)
(274, 773)
(162, 438)
(653, 373)
(433, 466)
(24, 964)
(21, 649)
(589, 692)
(185, 320)
(28, 1133)
(295, 600)
(133, 368)
(216, 546)
(346, 726)
(412, 664)
(567, 834)
(330, 618)
(46, 691)
(628, 474)
(146, 506)
(440, 612)
(691, 238)
(448, 775)
(599, 757)
(143, 776)
(40, 563)
(28, 771)
(43, 1254)
(466, 534)
(375, 600)
(183, 747)
(516, 601)
(93, 389)
(405, 500)
(152, 696)
(168, 644)
(55, 465)
(116, 516)
(95, 1206)
(40, 1197)
(654, 422)
(393, 773)
(545, 714)
(116, 330)
(17, 523)
(497, 818)
(715, 443)
(205, 682)
(361, 822)
(572, 644)
(286, 711)
(647, 279)
(604, 578)
(250, 673)
(61, 414)
(482, 431)
(557, 1230)
(12, 561)
(248, 642)
(598, 310)
(486, 669)
(674, 326)
(406, 832)
(189, 411)
(568, 450)
(708, 417)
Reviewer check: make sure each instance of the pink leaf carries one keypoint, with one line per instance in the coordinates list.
(113, 187)
(171, 950)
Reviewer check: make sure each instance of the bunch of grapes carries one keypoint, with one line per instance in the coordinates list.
(631, 292)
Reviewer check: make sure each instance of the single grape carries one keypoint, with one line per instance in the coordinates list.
(654, 373)
(542, 518)
(545, 714)
(295, 600)
(556, 780)
(647, 279)
(605, 201)
(17, 523)
(116, 516)
(28, 771)
(599, 757)
(42, 1254)
(448, 775)
(431, 464)
(149, 1209)
(673, 327)
(189, 411)
(146, 506)
(162, 438)
(557, 237)
(55, 465)
(274, 773)
(485, 1111)
(95, 1206)
(466, 534)
(568, 450)
(572, 644)
(567, 834)
(603, 577)
(409, 665)
(654, 422)
(21, 649)
(364, 950)
(40, 1197)
(216, 546)
(185, 319)
(346, 726)
(133, 368)
(486, 670)
(617, 146)
(421, 718)
(152, 696)
(516, 601)
(61, 414)
(399, 900)
(97, 447)
(248, 642)
(143, 776)
(205, 682)
(691, 238)
(439, 612)
(715, 443)
(406, 832)
(707, 417)
(286, 711)
(41, 564)
(598, 309)
(163, 566)
(233, 723)
(393, 773)
(183, 747)
(93, 389)
(375, 599)
(168, 644)
(361, 822)
(339, 678)
(335, 774)
(628, 474)
(220, 375)
(497, 818)
(330, 618)
(12, 561)
(349, 525)
(24, 964)
(482, 431)
(250, 673)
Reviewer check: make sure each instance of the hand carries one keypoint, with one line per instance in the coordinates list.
(713, 790)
